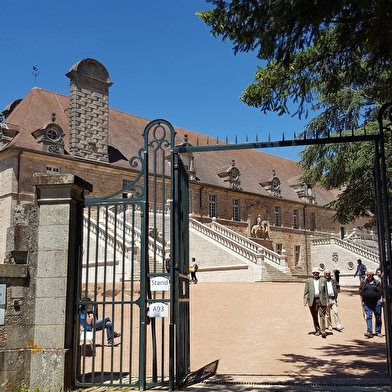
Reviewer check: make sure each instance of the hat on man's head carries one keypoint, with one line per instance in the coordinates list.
(315, 269)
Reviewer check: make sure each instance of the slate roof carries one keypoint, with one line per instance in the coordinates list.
(125, 140)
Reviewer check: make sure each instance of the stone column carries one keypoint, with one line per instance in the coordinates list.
(59, 239)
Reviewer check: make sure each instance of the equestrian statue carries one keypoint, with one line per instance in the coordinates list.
(260, 230)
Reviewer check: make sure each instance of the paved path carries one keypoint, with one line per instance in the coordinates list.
(253, 336)
(258, 336)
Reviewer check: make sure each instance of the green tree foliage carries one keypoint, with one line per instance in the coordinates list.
(347, 167)
(333, 57)
(308, 46)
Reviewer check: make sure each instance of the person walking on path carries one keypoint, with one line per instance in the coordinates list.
(316, 297)
(361, 270)
(371, 301)
(333, 291)
(193, 268)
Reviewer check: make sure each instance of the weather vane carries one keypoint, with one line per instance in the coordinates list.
(35, 73)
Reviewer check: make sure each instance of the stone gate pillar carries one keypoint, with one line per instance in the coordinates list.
(59, 238)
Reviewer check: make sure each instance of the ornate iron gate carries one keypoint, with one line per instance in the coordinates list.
(126, 280)
(127, 241)
(381, 191)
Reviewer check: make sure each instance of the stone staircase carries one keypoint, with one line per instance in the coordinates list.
(224, 255)
(276, 275)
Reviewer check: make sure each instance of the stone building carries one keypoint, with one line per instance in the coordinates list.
(79, 134)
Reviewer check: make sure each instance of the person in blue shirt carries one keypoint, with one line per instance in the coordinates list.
(89, 321)
(361, 270)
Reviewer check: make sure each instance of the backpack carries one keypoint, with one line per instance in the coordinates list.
(195, 268)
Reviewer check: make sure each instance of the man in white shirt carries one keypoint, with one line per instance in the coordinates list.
(316, 297)
(333, 292)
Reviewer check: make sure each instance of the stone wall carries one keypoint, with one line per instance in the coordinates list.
(19, 275)
(37, 338)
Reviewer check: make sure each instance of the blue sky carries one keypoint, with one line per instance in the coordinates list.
(161, 58)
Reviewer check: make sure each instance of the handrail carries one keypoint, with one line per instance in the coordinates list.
(239, 244)
(103, 235)
(131, 232)
(349, 245)
(250, 250)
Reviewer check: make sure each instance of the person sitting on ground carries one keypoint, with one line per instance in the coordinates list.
(89, 321)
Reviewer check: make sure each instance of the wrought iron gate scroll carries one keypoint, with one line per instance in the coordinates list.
(125, 279)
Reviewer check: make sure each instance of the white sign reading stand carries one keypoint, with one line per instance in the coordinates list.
(158, 309)
(159, 283)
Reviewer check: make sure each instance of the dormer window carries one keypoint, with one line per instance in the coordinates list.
(231, 175)
(272, 185)
(188, 160)
(50, 137)
(6, 135)
(305, 192)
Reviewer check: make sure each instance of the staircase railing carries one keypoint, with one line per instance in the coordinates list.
(349, 245)
(130, 231)
(104, 238)
(239, 244)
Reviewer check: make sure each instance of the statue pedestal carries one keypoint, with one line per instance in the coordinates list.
(266, 243)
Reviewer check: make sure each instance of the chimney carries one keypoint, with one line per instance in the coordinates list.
(89, 110)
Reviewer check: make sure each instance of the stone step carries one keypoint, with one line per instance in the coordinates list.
(275, 275)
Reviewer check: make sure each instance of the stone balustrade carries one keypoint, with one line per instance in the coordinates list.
(239, 244)
(354, 247)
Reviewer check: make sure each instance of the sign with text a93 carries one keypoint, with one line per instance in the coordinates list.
(159, 283)
(158, 309)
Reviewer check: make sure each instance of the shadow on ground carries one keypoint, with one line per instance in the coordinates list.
(357, 365)
(201, 374)
(366, 362)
